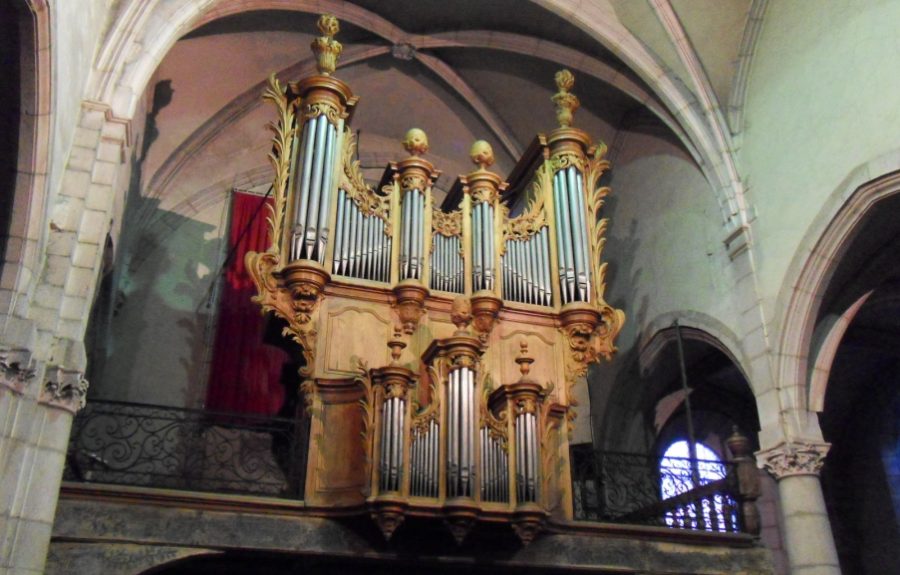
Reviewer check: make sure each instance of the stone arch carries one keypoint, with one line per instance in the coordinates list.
(24, 233)
(810, 274)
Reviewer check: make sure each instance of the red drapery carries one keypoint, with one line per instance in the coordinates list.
(245, 373)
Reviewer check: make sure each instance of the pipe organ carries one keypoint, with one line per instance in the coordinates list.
(441, 346)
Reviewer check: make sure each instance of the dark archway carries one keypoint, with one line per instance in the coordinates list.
(860, 414)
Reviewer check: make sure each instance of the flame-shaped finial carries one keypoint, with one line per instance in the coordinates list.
(482, 154)
(415, 141)
(325, 47)
(524, 360)
(566, 102)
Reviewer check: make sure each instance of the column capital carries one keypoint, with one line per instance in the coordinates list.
(795, 457)
(64, 389)
(16, 369)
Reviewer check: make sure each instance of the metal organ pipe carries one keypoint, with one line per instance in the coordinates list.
(585, 230)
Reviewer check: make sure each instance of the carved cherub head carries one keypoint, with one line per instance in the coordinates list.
(461, 313)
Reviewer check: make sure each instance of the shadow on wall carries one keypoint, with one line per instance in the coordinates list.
(155, 350)
(610, 384)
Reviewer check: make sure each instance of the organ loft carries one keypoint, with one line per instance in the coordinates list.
(442, 343)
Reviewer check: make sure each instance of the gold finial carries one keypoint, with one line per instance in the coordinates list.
(396, 344)
(325, 47)
(524, 360)
(415, 142)
(566, 102)
(482, 154)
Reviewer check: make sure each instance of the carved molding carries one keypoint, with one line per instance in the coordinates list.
(16, 369)
(280, 158)
(293, 294)
(64, 389)
(447, 224)
(788, 459)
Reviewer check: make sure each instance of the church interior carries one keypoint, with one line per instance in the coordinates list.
(537, 286)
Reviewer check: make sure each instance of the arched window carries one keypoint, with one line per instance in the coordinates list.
(680, 475)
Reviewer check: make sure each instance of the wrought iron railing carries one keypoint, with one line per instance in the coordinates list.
(645, 490)
(173, 448)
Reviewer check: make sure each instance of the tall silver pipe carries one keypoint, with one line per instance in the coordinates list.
(488, 246)
(353, 229)
(476, 246)
(338, 233)
(545, 264)
(420, 236)
(414, 230)
(382, 457)
(303, 197)
(346, 235)
(401, 406)
(325, 201)
(388, 424)
(514, 268)
(524, 280)
(529, 265)
(433, 481)
(315, 187)
(463, 432)
(567, 246)
(534, 249)
(370, 252)
(586, 248)
(415, 469)
(405, 226)
(578, 234)
(560, 255)
(519, 470)
(451, 434)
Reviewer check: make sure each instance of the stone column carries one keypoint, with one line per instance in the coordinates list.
(36, 408)
(807, 530)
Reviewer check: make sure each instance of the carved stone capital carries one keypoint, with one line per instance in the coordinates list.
(16, 369)
(797, 457)
(64, 389)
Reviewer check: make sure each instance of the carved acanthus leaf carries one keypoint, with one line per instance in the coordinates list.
(296, 309)
(354, 185)
(280, 158)
(65, 389)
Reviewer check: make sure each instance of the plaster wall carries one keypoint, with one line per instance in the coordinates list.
(664, 258)
(822, 100)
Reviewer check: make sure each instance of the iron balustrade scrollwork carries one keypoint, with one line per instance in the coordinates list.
(156, 446)
(646, 490)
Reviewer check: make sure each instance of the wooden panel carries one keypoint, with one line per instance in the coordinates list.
(544, 346)
(353, 332)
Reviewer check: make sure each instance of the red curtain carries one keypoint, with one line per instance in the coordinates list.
(245, 373)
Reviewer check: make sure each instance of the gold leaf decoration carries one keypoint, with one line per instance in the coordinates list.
(280, 158)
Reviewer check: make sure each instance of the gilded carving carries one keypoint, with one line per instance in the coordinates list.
(447, 224)
(413, 181)
(566, 102)
(296, 304)
(325, 47)
(354, 184)
(367, 404)
(316, 109)
(597, 164)
(415, 142)
(280, 158)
